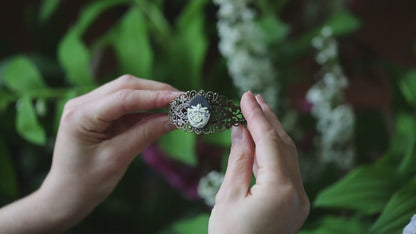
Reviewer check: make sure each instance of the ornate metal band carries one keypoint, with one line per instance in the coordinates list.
(204, 112)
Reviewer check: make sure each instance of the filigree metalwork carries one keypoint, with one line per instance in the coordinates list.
(224, 114)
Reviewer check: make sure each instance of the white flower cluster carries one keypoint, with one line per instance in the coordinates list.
(242, 42)
(411, 227)
(335, 118)
(326, 45)
(209, 185)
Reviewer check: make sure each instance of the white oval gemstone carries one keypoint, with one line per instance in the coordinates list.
(198, 116)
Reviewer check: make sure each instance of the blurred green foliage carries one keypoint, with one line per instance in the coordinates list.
(175, 42)
(8, 187)
(197, 225)
(180, 145)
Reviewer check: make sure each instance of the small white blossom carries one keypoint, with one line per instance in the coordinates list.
(209, 185)
(343, 158)
(337, 125)
(317, 42)
(242, 43)
(411, 227)
(326, 45)
(335, 118)
(326, 31)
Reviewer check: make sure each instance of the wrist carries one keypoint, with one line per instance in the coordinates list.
(65, 203)
(40, 212)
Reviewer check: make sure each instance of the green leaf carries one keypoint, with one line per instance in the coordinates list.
(409, 160)
(342, 23)
(192, 11)
(274, 29)
(5, 99)
(27, 124)
(195, 225)
(47, 8)
(221, 138)
(75, 59)
(20, 75)
(398, 211)
(272, 6)
(404, 142)
(157, 24)
(73, 55)
(408, 87)
(180, 145)
(8, 178)
(91, 12)
(188, 47)
(366, 189)
(48, 66)
(331, 225)
(132, 45)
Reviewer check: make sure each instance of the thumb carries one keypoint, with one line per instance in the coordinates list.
(240, 163)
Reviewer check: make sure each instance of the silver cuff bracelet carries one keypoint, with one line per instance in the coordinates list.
(204, 112)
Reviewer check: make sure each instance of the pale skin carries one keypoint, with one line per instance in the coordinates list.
(277, 202)
(103, 131)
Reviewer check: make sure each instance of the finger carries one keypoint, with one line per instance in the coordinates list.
(134, 140)
(240, 163)
(272, 118)
(290, 157)
(100, 113)
(131, 82)
(123, 82)
(263, 133)
(126, 122)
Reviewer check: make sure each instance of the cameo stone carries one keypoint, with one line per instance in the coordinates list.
(198, 112)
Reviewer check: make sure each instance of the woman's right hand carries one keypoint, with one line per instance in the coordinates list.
(277, 202)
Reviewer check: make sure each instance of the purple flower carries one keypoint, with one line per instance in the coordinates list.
(180, 176)
(305, 105)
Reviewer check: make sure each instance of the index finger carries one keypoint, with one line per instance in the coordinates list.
(274, 121)
(124, 82)
(288, 149)
(100, 113)
(264, 134)
(120, 103)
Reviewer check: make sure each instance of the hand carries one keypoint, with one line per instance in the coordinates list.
(277, 202)
(99, 135)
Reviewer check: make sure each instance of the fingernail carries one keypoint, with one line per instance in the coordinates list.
(176, 93)
(250, 93)
(236, 134)
(254, 99)
(261, 99)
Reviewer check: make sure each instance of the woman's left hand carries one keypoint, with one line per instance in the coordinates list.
(100, 133)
